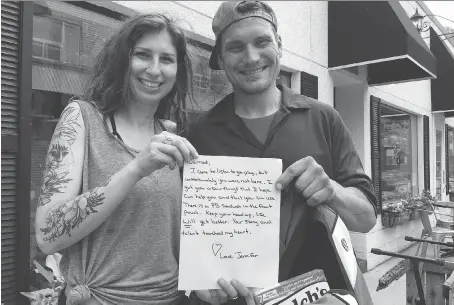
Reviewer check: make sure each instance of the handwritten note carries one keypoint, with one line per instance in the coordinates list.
(229, 222)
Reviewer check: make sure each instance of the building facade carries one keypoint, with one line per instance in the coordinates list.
(394, 97)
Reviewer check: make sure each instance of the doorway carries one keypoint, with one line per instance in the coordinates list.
(440, 169)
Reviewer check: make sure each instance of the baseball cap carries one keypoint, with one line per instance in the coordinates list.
(233, 11)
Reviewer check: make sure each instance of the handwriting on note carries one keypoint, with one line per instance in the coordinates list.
(229, 222)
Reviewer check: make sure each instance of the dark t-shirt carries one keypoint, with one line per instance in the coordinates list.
(260, 127)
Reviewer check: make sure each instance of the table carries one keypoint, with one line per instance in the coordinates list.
(445, 217)
(444, 204)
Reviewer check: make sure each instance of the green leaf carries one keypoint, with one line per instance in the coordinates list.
(49, 275)
(29, 295)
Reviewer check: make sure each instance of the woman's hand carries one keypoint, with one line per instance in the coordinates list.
(164, 149)
(231, 290)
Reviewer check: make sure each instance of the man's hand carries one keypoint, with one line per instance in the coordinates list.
(311, 180)
(212, 296)
(231, 290)
(317, 188)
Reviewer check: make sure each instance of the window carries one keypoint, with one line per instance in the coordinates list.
(209, 86)
(398, 151)
(450, 159)
(438, 137)
(201, 82)
(309, 85)
(56, 40)
(284, 78)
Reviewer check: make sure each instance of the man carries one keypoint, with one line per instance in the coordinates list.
(323, 174)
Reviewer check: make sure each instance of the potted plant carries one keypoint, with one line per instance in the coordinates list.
(411, 208)
(423, 201)
(55, 282)
(394, 214)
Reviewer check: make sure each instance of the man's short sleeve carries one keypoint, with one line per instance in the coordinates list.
(347, 167)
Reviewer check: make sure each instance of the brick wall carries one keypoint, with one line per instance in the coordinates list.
(95, 28)
(209, 86)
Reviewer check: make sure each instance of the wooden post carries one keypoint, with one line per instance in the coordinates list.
(436, 285)
(435, 278)
(448, 288)
(412, 290)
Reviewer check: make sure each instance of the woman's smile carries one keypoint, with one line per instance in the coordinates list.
(150, 84)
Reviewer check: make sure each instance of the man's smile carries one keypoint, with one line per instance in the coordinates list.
(250, 72)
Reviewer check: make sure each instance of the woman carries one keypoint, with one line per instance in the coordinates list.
(110, 199)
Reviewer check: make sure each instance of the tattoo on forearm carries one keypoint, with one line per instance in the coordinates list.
(69, 215)
(55, 179)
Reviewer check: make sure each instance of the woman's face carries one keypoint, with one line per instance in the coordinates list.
(153, 69)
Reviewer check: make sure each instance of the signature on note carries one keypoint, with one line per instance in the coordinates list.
(217, 247)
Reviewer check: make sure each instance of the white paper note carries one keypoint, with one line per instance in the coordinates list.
(229, 222)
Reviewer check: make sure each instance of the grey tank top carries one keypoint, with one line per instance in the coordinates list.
(132, 257)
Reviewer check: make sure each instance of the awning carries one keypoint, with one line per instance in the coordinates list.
(379, 35)
(442, 88)
(56, 79)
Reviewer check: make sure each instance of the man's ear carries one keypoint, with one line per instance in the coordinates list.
(279, 44)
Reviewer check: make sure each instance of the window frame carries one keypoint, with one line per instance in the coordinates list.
(447, 162)
(68, 22)
(285, 74)
(312, 80)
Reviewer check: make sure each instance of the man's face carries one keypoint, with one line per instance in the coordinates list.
(250, 53)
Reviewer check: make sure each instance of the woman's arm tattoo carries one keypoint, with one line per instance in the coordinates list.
(68, 215)
(55, 179)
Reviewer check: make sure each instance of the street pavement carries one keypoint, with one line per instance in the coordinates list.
(395, 293)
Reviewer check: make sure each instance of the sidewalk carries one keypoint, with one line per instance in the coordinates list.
(395, 293)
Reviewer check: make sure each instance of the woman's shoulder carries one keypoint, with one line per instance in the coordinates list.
(86, 107)
(81, 102)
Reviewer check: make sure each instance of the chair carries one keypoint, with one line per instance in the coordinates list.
(433, 228)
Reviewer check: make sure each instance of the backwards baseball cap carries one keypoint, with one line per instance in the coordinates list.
(233, 11)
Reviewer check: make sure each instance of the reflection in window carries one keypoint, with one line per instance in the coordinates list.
(451, 159)
(284, 78)
(399, 154)
(64, 36)
(56, 40)
(209, 86)
(438, 137)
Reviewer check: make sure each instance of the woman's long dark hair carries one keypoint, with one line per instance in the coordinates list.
(109, 85)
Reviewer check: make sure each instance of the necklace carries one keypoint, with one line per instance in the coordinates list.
(156, 127)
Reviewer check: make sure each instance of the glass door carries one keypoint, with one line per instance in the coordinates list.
(440, 170)
(398, 153)
(450, 166)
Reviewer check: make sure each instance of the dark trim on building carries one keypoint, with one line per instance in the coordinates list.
(448, 191)
(379, 35)
(334, 97)
(446, 159)
(442, 89)
(24, 152)
(102, 10)
(375, 110)
(9, 143)
(120, 12)
(198, 43)
(309, 85)
(426, 152)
